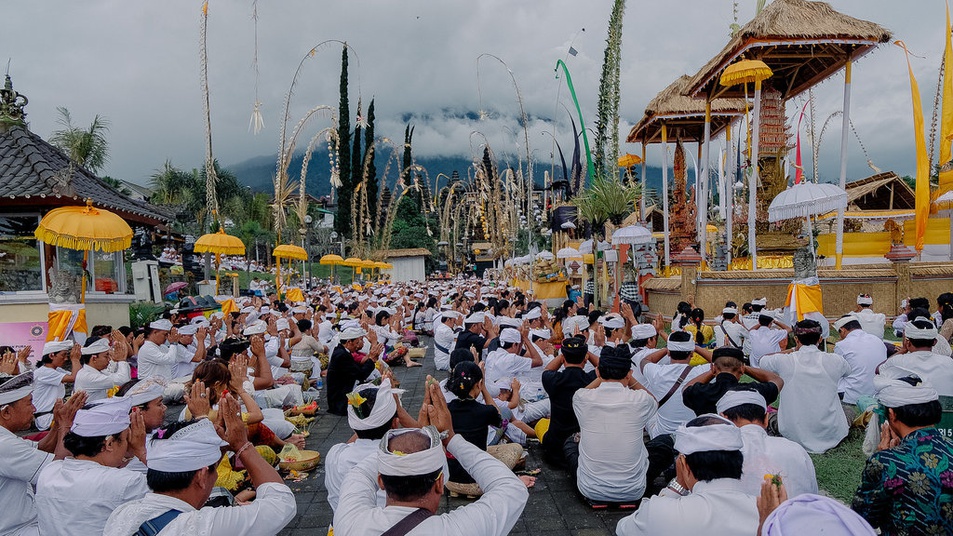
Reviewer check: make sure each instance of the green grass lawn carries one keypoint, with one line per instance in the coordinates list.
(839, 469)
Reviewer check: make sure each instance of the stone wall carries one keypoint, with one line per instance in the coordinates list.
(887, 284)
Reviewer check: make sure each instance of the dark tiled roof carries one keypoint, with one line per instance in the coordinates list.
(31, 168)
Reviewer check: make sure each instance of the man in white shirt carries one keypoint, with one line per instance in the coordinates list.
(706, 497)
(610, 459)
(157, 360)
(444, 338)
(182, 474)
(870, 321)
(766, 339)
(75, 496)
(414, 483)
(750, 320)
(916, 358)
(730, 331)
(764, 454)
(103, 369)
(49, 379)
(864, 353)
(506, 361)
(666, 382)
(377, 414)
(22, 459)
(190, 350)
(809, 410)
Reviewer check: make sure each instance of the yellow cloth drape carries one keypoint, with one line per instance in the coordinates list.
(543, 291)
(294, 294)
(807, 299)
(923, 164)
(229, 306)
(65, 319)
(946, 124)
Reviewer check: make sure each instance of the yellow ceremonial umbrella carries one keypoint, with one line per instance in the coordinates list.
(219, 243)
(332, 260)
(84, 228)
(628, 160)
(745, 72)
(291, 252)
(352, 262)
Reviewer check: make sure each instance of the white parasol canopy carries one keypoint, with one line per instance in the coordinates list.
(632, 234)
(568, 253)
(544, 255)
(806, 199)
(586, 247)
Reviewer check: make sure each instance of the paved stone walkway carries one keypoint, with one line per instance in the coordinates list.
(554, 506)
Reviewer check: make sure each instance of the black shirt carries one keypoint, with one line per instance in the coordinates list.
(470, 420)
(703, 397)
(343, 373)
(561, 386)
(466, 339)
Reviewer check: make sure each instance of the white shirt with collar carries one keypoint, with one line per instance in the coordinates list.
(158, 361)
(718, 507)
(809, 410)
(494, 513)
(97, 382)
(764, 341)
(340, 460)
(863, 352)
(443, 337)
(185, 366)
(935, 368)
(48, 387)
(736, 331)
(659, 379)
(75, 497)
(871, 322)
(612, 456)
(19, 472)
(503, 364)
(273, 508)
(776, 456)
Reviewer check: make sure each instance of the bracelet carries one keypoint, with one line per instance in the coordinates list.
(677, 488)
(241, 450)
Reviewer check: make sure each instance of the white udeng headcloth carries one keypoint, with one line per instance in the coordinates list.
(108, 417)
(692, 439)
(415, 463)
(383, 411)
(188, 449)
(910, 331)
(894, 393)
(681, 346)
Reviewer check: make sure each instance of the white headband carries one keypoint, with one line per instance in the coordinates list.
(644, 331)
(864, 300)
(510, 336)
(895, 393)
(385, 407)
(109, 417)
(681, 346)
(98, 347)
(415, 463)
(533, 314)
(726, 436)
(729, 311)
(910, 331)
(842, 321)
(146, 391)
(188, 449)
(16, 388)
(57, 346)
(733, 399)
(163, 325)
(760, 301)
(612, 322)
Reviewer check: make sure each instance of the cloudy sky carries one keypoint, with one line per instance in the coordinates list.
(137, 64)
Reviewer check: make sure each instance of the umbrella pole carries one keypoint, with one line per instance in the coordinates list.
(702, 186)
(278, 280)
(642, 199)
(665, 228)
(839, 250)
(82, 290)
(753, 177)
(218, 266)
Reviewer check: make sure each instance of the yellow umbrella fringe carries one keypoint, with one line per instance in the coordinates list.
(107, 245)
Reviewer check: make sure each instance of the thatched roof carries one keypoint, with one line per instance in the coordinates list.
(684, 115)
(803, 42)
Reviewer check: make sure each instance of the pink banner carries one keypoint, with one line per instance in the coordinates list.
(20, 334)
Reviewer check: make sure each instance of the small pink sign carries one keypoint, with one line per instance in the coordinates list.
(20, 334)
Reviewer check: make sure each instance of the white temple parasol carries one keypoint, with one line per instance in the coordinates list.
(806, 199)
(568, 253)
(544, 255)
(632, 234)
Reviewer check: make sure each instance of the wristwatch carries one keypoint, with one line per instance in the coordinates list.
(444, 435)
(678, 488)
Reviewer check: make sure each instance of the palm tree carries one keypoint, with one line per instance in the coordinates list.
(87, 148)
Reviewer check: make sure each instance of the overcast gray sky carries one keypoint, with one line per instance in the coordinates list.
(137, 64)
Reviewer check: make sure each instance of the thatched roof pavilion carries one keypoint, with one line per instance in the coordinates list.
(802, 42)
(683, 115)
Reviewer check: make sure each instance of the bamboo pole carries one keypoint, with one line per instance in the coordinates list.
(839, 250)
